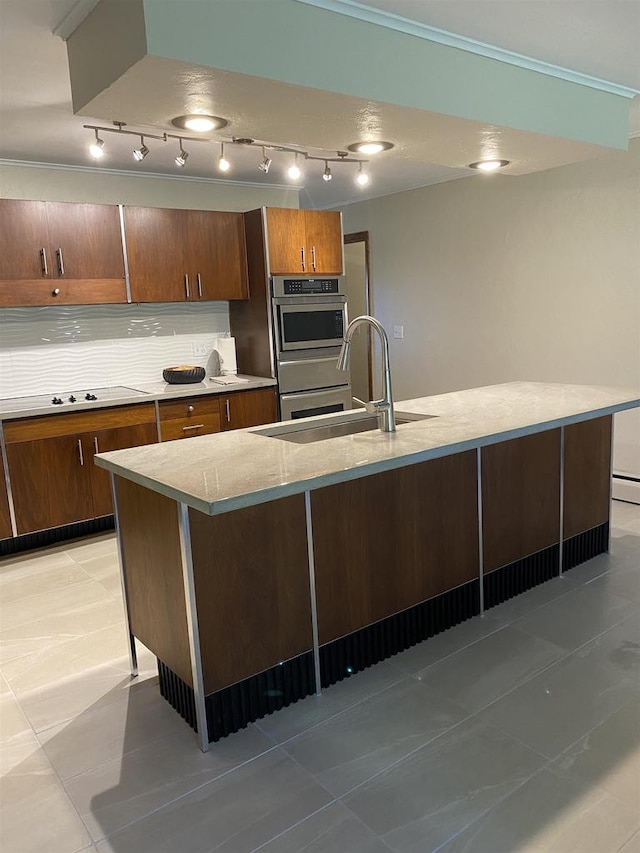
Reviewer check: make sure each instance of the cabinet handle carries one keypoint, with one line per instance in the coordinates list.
(60, 261)
(189, 409)
(95, 444)
(43, 261)
(55, 291)
(199, 280)
(227, 409)
(186, 286)
(193, 426)
(313, 258)
(80, 453)
(303, 260)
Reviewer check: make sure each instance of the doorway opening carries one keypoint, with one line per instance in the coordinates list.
(358, 292)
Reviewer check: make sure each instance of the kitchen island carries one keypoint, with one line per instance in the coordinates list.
(260, 567)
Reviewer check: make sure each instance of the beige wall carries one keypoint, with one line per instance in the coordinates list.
(104, 187)
(498, 278)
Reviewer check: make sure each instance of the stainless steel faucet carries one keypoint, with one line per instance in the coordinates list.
(382, 408)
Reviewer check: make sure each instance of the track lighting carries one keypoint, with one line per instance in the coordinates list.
(294, 170)
(182, 155)
(140, 153)
(362, 178)
(96, 149)
(223, 164)
(266, 162)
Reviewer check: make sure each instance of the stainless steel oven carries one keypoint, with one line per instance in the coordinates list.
(309, 321)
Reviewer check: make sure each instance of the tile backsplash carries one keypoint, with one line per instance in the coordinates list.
(58, 349)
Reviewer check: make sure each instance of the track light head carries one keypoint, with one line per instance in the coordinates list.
(96, 149)
(294, 171)
(362, 178)
(140, 153)
(326, 175)
(223, 164)
(182, 155)
(266, 162)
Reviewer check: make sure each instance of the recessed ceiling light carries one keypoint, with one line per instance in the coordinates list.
(489, 165)
(373, 147)
(199, 123)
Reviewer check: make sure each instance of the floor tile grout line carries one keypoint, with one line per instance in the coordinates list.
(293, 826)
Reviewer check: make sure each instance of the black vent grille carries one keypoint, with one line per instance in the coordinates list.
(233, 708)
(43, 538)
(511, 580)
(584, 546)
(354, 652)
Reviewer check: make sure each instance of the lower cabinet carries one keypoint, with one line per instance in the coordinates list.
(189, 417)
(53, 477)
(248, 408)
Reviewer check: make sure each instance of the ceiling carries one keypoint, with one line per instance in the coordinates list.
(600, 39)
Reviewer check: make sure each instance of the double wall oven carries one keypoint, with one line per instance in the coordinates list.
(309, 321)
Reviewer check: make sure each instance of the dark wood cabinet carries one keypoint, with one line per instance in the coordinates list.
(5, 517)
(185, 255)
(305, 242)
(247, 408)
(60, 253)
(188, 417)
(54, 480)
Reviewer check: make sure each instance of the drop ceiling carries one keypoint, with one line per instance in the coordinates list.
(38, 124)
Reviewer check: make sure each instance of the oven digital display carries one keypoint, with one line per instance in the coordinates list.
(303, 327)
(299, 286)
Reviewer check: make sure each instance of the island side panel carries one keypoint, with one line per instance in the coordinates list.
(520, 498)
(148, 527)
(587, 475)
(387, 542)
(251, 579)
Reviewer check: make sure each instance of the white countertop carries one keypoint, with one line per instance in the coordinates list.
(226, 471)
(135, 392)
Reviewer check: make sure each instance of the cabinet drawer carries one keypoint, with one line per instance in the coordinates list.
(49, 426)
(189, 407)
(69, 292)
(187, 427)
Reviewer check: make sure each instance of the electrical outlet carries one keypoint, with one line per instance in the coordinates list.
(398, 331)
(199, 348)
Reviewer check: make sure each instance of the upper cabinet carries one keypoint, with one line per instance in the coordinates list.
(185, 255)
(60, 253)
(306, 242)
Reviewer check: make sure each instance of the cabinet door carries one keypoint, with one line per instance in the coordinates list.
(217, 255)
(248, 408)
(324, 241)
(5, 518)
(157, 254)
(85, 240)
(112, 439)
(23, 239)
(286, 239)
(50, 482)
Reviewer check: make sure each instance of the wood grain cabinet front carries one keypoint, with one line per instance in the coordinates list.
(5, 517)
(54, 480)
(306, 242)
(55, 253)
(185, 255)
(247, 408)
(188, 417)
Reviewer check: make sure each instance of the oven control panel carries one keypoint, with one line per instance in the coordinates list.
(284, 286)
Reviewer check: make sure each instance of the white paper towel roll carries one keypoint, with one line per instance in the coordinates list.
(226, 349)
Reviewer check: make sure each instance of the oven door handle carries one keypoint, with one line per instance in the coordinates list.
(327, 301)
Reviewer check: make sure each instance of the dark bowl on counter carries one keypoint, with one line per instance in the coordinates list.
(183, 374)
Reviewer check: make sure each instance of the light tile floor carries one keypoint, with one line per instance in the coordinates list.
(517, 731)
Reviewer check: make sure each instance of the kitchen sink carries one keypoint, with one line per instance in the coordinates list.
(306, 432)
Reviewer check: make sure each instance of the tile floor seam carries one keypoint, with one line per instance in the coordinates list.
(182, 795)
(293, 826)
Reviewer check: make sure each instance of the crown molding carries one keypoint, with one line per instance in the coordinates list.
(129, 173)
(362, 12)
